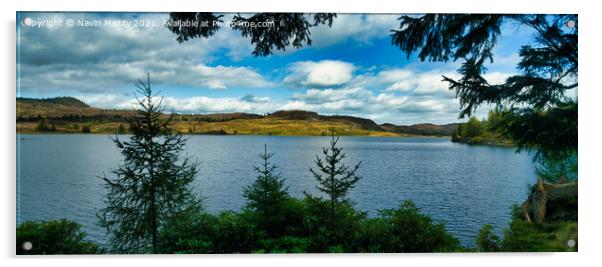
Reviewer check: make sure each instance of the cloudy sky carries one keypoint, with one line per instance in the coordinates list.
(351, 68)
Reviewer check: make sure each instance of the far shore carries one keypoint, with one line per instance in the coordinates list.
(203, 134)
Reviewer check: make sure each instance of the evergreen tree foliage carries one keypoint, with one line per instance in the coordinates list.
(86, 129)
(538, 113)
(473, 127)
(152, 184)
(334, 177)
(267, 195)
(557, 169)
(44, 126)
(288, 29)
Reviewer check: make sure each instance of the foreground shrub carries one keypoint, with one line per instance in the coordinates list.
(190, 233)
(328, 228)
(285, 244)
(406, 229)
(550, 237)
(236, 233)
(487, 241)
(53, 237)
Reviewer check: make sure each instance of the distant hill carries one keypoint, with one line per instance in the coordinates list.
(421, 129)
(31, 108)
(365, 124)
(70, 114)
(62, 100)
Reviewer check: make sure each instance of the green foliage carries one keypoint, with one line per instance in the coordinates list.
(54, 237)
(121, 129)
(444, 37)
(550, 237)
(334, 177)
(285, 244)
(199, 232)
(267, 194)
(474, 127)
(487, 241)
(237, 233)
(405, 230)
(326, 227)
(553, 131)
(190, 232)
(539, 116)
(288, 29)
(151, 185)
(86, 129)
(481, 132)
(471, 129)
(401, 230)
(44, 126)
(557, 169)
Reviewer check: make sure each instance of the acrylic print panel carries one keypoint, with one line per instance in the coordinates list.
(295, 133)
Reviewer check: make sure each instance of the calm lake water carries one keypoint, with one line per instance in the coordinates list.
(465, 186)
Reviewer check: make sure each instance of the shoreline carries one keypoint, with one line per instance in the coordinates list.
(488, 142)
(200, 134)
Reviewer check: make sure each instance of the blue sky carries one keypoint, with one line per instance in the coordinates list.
(351, 68)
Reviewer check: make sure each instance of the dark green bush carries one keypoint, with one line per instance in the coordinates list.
(326, 230)
(285, 244)
(548, 237)
(237, 233)
(376, 236)
(191, 232)
(54, 237)
(487, 241)
(309, 227)
(412, 231)
(521, 236)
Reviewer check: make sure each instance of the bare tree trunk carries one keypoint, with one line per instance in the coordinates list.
(539, 200)
(541, 193)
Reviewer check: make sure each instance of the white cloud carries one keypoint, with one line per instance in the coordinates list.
(418, 83)
(114, 76)
(386, 107)
(497, 77)
(198, 104)
(202, 104)
(331, 95)
(359, 27)
(111, 58)
(216, 84)
(325, 73)
(105, 101)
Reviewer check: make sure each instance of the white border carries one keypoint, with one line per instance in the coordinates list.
(590, 95)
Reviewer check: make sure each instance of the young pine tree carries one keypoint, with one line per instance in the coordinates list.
(152, 184)
(267, 195)
(334, 177)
